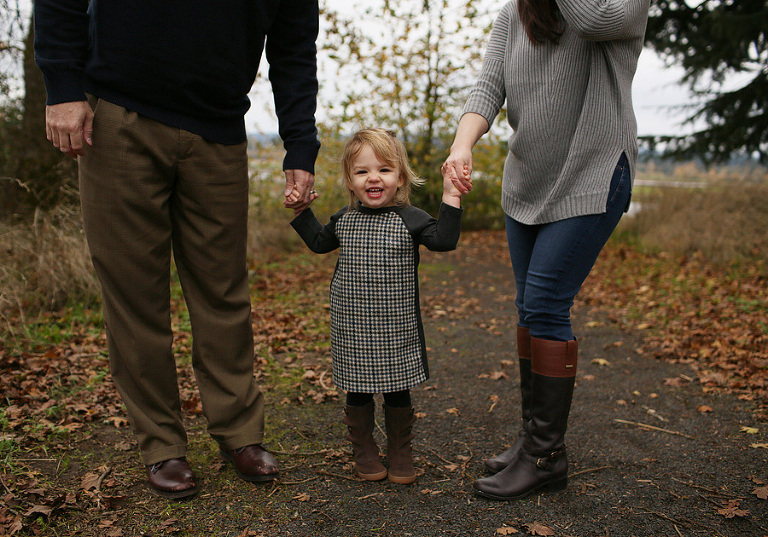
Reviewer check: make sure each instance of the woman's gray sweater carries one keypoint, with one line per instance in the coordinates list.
(570, 106)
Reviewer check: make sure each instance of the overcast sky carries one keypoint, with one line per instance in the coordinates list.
(656, 92)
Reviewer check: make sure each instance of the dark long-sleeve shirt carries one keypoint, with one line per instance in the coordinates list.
(187, 63)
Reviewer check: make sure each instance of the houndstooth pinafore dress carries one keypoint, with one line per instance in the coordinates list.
(377, 337)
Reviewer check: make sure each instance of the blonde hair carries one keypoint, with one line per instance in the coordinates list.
(390, 151)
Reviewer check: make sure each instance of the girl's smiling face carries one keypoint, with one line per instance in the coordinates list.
(373, 182)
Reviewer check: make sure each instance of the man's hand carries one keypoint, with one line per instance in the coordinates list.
(68, 126)
(299, 191)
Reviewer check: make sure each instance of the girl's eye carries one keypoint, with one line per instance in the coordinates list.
(360, 172)
(385, 170)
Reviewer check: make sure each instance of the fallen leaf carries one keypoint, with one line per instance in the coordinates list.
(494, 401)
(506, 530)
(732, 510)
(454, 411)
(750, 430)
(763, 446)
(601, 362)
(539, 529)
(302, 497)
(118, 421)
(43, 510)
(168, 522)
(676, 382)
(704, 408)
(761, 492)
(90, 481)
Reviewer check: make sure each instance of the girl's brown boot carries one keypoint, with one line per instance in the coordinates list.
(399, 422)
(359, 421)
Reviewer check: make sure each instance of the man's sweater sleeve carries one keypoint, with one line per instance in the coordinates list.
(292, 56)
(61, 46)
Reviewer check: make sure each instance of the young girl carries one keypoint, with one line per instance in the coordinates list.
(377, 338)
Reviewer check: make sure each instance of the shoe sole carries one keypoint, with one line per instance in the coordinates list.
(548, 486)
(179, 495)
(402, 480)
(378, 476)
(250, 478)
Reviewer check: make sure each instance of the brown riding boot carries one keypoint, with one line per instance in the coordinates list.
(542, 462)
(359, 421)
(399, 422)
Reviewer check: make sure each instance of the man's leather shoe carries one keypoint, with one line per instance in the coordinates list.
(252, 463)
(172, 478)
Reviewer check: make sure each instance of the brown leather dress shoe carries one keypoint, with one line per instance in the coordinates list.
(252, 463)
(172, 478)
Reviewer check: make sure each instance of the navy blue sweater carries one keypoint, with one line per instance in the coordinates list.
(187, 63)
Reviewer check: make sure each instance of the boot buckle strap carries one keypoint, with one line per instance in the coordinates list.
(543, 462)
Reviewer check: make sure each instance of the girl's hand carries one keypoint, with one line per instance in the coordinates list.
(293, 198)
(451, 186)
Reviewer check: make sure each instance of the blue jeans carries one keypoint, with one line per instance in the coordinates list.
(551, 261)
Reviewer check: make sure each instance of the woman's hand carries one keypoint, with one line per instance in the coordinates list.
(458, 165)
(457, 170)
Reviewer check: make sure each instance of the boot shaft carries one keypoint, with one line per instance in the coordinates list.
(399, 425)
(553, 365)
(526, 375)
(360, 424)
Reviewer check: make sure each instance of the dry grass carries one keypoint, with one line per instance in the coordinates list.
(44, 264)
(725, 222)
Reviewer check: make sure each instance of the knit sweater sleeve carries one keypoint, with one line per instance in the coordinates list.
(61, 45)
(606, 20)
(489, 93)
(292, 56)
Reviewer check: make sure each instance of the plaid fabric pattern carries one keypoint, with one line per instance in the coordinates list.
(375, 342)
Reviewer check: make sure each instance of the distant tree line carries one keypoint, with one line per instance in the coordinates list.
(407, 64)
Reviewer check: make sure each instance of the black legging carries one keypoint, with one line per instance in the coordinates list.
(401, 399)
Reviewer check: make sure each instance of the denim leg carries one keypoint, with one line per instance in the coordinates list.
(520, 239)
(551, 261)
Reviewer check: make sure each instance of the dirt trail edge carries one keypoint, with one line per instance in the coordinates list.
(689, 473)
